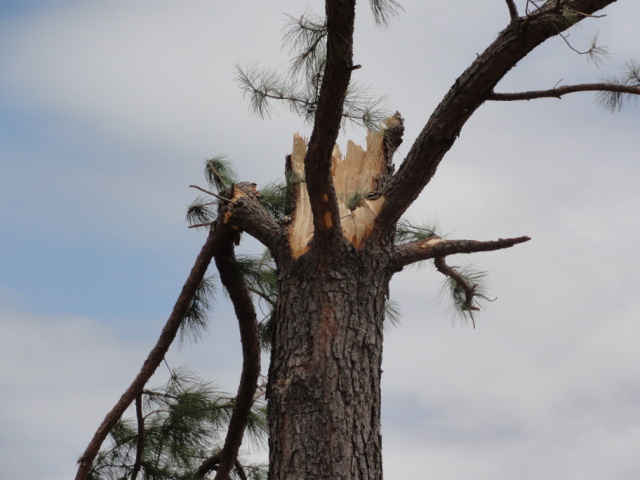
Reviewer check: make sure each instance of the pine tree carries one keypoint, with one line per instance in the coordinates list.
(334, 235)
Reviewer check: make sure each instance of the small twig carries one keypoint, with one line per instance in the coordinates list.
(206, 224)
(217, 174)
(213, 194)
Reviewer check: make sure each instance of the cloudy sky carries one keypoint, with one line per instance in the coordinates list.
(107, 112)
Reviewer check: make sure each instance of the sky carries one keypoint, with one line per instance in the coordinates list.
(107, 113)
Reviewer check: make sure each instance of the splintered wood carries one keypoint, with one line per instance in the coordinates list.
(353, 178)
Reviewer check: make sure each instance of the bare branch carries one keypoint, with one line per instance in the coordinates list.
(411, 252)
(560, 91)
(513, 10)
(460, 281)
(226, 200)
(197, 225)
(466, 95)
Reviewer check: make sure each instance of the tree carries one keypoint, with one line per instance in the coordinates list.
(337, 238)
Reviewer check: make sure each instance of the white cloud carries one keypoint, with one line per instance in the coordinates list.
(61, 375)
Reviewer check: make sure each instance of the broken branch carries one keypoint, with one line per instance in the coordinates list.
(412, 252)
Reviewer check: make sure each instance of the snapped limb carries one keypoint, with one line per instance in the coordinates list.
(412, 252)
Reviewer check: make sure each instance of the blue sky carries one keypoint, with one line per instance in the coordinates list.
(107, 113)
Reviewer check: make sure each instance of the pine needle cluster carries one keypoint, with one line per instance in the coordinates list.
(630, 76)
(299, 88)
(177, 426)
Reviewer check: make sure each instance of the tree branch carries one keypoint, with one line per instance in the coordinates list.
(155, 356)
(212, 194)
(560, 91)
(137, 464)
(240, 469)
(412, 252)
(249, 215)
(466, 95)
(335, 82)
(208, 465)
(513, 10)
(233, 281)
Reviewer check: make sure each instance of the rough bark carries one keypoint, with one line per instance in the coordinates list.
(324, 378)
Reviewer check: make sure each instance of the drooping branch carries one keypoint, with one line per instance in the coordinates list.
(212, 194)
(155, 356)
(466, 95)
(233, 282)
(412, 252)
(333, 91)
(558, 92)
(470, 290)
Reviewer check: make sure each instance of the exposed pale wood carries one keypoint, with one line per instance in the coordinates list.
(301, 231)
(355, 174)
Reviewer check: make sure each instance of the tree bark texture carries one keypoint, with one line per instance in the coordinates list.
(324, 378)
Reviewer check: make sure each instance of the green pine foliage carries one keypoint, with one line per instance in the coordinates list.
(299, 88)
(406, 231)
(194, 325)
(459, 300)
(219, 174)
(183, 422)
(275, 197)
(384, 11)
(201, 211)
(614, 101)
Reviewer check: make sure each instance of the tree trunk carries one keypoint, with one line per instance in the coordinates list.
(324, 379)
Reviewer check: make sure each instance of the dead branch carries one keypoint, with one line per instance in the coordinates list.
(558, 92)
(197, 225)
(466, 95)
(226, 200)
(412, 252)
